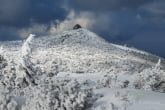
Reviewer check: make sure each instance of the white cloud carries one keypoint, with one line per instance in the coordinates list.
(85, 19)
(35, 29)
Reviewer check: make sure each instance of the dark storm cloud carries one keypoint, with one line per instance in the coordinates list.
(138, 23)
(22, 12)
(122, 26)
(127, 18)
(16, 15)
(105, 5)
(152, 41)
(8, 33)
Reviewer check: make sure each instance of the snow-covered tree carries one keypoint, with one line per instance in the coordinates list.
(3, 61)
(7, 101)
(58, 95)
(158, 64)
(28, 67)
(152, 79)
(1, 49)
(26, 51)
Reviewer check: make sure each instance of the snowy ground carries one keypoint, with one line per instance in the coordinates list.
(129, 99)
(78, 70)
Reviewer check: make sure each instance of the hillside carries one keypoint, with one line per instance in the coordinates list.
(78, 70)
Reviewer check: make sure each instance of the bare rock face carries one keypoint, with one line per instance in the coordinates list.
(77, 26)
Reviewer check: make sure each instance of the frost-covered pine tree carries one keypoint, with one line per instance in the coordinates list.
(158, 64)
(26, 51)
(26, 64)
(3, 61)
(152, 78)
(1, 50)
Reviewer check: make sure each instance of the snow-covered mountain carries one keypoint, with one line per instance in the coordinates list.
(78, 70)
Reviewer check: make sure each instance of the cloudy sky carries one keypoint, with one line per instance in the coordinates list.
(137, 23)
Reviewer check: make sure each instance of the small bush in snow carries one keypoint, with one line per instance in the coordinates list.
(109, 80)
(7, 102)
(58, 95)
(3, 62)
(152, 79)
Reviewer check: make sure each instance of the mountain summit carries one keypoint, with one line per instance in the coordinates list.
(78, 70)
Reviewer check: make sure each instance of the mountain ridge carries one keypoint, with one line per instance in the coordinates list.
(78, 70)
(84, 38)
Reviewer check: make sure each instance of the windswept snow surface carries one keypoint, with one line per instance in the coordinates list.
(78, 70)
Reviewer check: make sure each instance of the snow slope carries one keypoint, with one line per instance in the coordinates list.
(78, 70)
